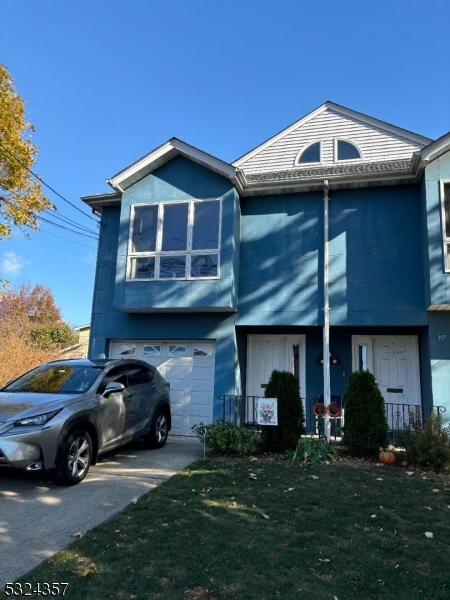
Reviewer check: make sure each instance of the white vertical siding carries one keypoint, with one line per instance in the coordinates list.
(374, 143)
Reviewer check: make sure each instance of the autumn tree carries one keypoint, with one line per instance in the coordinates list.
(21, 196)
(32, 329)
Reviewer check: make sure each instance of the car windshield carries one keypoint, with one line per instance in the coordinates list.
(56, 379)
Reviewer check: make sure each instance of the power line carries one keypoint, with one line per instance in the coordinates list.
(63, 238)
(95, 237)
(46, 184)
(68, 221)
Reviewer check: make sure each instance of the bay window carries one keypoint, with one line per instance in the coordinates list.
(175, 240)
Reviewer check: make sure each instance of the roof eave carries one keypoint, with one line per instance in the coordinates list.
(335, 182)
(163, 154)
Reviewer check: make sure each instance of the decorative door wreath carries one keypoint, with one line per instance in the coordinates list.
(333, 410)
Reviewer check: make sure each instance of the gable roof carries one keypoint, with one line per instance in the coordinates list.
(414, 140)
(163, 154)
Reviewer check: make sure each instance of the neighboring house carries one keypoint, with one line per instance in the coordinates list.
(80, 349)
(332, 235)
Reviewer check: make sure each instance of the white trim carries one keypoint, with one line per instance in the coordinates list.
(345, 160)
(362, 340)
(445, 238)
(165, 153)
(398, 131)
(188, 253)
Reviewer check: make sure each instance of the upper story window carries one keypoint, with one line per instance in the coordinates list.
(346, 150)
(311, 154)
(175, 240)
(445, 204)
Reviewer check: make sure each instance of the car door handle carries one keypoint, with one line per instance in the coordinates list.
(129, 397)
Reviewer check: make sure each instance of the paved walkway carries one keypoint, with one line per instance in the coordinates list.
(38, 518)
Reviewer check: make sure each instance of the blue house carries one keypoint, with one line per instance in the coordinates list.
(331, 239)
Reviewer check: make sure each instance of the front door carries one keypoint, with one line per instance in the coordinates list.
(269, 352)
(394, 361)
(396, 369)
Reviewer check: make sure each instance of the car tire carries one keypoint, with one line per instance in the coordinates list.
(74, 457)
(157, 436)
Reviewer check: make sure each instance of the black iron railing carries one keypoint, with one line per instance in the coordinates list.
(241, 410)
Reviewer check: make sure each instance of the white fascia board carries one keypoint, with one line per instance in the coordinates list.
(398, 131)
(435, 149)
(166, 152)
(348, 112)
(280, 135)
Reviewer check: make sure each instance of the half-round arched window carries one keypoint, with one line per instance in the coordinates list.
(311, 154)
(347, 151)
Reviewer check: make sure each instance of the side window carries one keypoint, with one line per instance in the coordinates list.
(116, 374)
(137, 375)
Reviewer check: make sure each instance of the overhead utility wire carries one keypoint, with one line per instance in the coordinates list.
(95, 237)
(46, 184)
(67, 221)
(55, 214)
(63, 238)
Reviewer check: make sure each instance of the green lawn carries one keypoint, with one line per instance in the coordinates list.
(268, 528)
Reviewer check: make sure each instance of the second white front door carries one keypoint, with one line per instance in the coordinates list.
(268, 352)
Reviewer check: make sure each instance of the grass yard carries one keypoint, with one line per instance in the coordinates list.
(268, 528)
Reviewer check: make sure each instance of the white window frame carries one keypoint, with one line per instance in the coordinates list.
(345, 160)
(362, 340)
(445, 239)
(310, 164)
(188, 253)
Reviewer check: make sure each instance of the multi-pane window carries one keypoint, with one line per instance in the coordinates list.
(176, 240)
(445, 199)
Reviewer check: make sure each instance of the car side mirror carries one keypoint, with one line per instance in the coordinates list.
(113, 386)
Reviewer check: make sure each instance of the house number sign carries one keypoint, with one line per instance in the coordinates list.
(441, 338)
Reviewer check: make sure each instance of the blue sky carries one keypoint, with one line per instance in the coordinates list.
(106, 81)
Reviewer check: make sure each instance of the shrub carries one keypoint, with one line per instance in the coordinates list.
(227, 438)
(310, 451)
(365, 425)
(284, 386)
(426, 445)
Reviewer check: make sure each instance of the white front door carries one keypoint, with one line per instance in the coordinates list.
(268, 352)
(394, 361)
(396, 368)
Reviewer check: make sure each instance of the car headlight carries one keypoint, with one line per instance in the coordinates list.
(38, 419)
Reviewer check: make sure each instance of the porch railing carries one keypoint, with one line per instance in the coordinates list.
(241, 410)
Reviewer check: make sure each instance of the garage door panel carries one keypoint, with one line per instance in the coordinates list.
(189, 368)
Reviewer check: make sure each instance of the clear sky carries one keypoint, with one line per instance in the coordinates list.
(106, 81)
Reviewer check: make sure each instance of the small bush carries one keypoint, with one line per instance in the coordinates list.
(426, 445)
(284, 386)
(310, 451)
(227, 438)
(365, 425)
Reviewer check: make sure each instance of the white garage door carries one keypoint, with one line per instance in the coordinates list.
(188, 367)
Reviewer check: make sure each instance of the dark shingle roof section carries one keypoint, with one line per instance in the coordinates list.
(317, 172)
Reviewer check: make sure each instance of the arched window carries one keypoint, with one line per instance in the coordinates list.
(347, 151)
(311, 154)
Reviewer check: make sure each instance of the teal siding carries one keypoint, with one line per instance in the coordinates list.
(180, 179)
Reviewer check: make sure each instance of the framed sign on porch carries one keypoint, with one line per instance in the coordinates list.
(267, 411)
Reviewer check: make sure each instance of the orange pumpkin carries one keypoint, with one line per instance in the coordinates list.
(387, 458)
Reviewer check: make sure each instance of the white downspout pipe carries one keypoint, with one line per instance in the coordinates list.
(326, 310)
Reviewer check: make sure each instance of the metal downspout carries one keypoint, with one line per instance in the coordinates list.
(326, 310)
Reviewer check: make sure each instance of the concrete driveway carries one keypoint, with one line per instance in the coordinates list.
(38, 518)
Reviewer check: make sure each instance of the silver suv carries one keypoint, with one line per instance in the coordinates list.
(62, 415)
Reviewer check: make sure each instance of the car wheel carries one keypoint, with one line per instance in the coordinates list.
(157, 436)
(74, 458)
